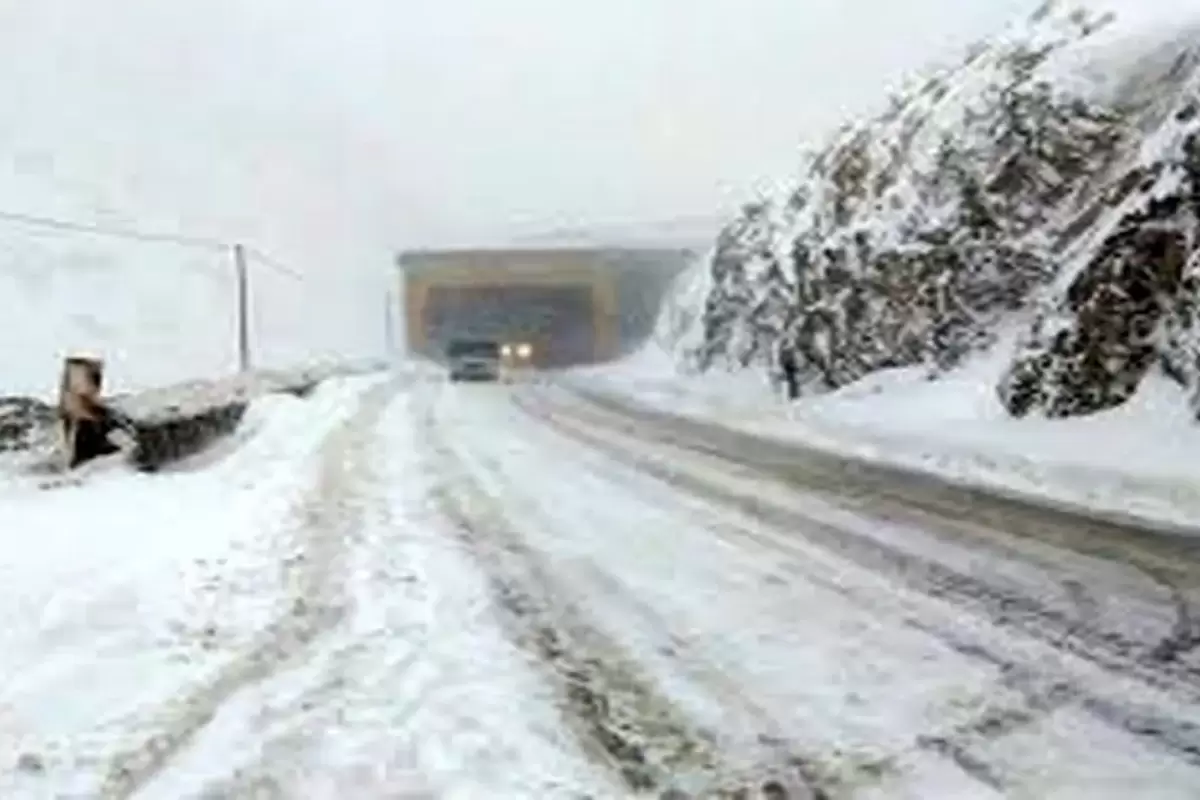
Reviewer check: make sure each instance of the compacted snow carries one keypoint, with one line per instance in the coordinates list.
(401, 587)
(118, 594)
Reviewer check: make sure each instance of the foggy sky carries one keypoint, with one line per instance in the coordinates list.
(524, 113)
(407, 122)
(518, 115)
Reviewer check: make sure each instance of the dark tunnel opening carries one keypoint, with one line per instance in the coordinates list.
(574, 305)
(558, 320)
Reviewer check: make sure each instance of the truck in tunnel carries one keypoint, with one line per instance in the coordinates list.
(474, 360)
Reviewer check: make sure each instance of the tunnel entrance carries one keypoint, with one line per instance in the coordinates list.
(574, 305)
(558, 320)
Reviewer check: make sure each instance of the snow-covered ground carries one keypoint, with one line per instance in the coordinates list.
(235, 140)
(403, 587)
(287, 616)
(121, 594)
(157, 315)
(1138, 459)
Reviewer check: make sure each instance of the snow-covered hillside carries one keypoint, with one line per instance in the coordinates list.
(192, 120)
(1047, 184)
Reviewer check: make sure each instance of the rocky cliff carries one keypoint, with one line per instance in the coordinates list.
(1047, 181)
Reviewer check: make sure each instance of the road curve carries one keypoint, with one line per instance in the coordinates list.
(1019, 628)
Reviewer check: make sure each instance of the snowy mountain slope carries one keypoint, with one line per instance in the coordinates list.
(973, 202)
(197, 120)
(153, 322)
(1131, 304)
(158, 314)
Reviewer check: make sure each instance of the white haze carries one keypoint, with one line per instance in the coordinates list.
(330, 133)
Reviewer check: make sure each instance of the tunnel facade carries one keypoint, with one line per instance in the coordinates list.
(564, 302)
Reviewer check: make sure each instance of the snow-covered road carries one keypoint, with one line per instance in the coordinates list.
(529, 591)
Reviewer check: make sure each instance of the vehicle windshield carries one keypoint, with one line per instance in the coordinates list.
(473, 348)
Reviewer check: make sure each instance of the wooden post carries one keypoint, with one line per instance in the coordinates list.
(81, 381)
(243, 307)
(79, 407)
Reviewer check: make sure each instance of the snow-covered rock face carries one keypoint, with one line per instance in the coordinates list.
(1019, 182)
(1133, 305)
(677, 326)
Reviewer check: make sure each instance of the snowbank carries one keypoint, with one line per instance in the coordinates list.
(116, 593)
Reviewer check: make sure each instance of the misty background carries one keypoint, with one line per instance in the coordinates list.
(331, 133)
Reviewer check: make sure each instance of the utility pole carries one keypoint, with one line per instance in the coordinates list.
(389, 325)
(243, 307)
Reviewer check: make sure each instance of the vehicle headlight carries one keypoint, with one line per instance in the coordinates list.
(524, 350)
(506, 350)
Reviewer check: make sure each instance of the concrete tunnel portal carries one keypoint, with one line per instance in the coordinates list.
(575, 306)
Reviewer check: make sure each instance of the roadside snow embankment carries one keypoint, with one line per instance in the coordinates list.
(117, 593)
(1136, 460)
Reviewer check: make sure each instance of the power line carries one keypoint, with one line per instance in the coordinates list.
(51, 223)
(239, 252)
(133, 234)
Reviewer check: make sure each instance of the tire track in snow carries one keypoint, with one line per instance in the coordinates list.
(314, 605)
(1042, 693)
(993, 721)
(966, 514)
(1158, 664)
(616, 711)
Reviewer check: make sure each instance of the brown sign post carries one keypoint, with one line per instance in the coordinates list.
(83, 420)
